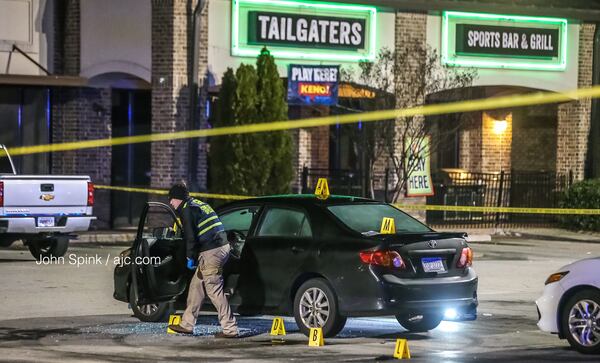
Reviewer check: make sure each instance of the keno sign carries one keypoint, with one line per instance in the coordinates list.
(313, 85)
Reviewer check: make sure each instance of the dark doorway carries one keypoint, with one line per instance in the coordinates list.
(131, 115)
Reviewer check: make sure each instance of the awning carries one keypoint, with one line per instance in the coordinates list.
(50, 81)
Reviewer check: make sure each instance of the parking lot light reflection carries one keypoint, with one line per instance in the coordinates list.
(449, 327)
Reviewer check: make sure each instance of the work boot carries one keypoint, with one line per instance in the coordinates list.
(226, 336)
(181, 330)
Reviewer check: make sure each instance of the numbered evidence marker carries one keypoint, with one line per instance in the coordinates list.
(322, 191)
(315, 337)
(402, 351)
(278, 328)
(387, 226)
(173, 320)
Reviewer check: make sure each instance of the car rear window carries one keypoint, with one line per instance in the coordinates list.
(367, 218)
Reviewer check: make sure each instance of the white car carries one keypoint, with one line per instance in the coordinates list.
(570, 305)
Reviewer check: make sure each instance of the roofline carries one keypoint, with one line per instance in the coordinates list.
(569, 12)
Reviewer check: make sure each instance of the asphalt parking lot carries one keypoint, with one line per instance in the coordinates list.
(64, 312)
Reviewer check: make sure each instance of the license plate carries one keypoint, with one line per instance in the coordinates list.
(45, 221)
(433, 264)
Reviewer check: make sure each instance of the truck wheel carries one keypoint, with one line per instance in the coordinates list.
(150, 313)
(316, 306)
(48, 247)
(419, 323)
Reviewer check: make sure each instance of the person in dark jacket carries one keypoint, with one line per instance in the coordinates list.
(207, 252)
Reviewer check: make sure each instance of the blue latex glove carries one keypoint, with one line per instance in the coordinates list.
(191, 264)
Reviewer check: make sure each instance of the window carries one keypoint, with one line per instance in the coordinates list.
(160, 224)
(367, 218)
(279, 222)
(239, 220)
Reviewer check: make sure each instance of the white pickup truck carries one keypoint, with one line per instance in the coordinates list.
(42, 210)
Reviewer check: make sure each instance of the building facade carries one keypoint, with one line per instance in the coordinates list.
(78, 70)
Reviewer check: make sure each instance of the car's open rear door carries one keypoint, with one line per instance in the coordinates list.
(158, 253)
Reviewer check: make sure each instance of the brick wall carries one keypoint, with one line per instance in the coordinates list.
(534, 139)
(170, 94)
(171, 48)
(574, 117)
(311, 146)
(470, 143)
(202, 165)
(411, 29)
(496, 147)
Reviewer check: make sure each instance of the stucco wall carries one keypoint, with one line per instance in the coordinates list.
(29, 25)
(116, 37)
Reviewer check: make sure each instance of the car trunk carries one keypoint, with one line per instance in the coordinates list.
(428, 255)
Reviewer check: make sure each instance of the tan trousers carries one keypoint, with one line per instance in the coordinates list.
(208, 280)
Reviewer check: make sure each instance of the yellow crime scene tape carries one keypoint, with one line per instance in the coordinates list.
(448, 208)
(165, 192)
(508, 210)
(529, 99)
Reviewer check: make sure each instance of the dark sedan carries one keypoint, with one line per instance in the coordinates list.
(320, 260)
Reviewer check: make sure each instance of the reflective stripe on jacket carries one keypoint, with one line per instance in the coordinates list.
(202, 228)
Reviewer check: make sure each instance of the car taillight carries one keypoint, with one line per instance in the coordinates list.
(1, 194)
(466, 258)
(90, 194)
(382, 258)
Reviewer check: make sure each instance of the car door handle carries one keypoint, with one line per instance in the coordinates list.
(297, 249)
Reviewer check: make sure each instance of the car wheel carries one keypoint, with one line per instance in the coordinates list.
(150, 313)
(580, 321)
(48, 247)
(316, 306)
(419, 323)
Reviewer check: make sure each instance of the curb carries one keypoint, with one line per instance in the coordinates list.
(557, 238)
(105, 238)
(479, 238)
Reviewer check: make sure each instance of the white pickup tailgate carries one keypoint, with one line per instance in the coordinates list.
(45, 195)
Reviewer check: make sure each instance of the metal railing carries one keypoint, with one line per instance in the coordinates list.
(504, 189)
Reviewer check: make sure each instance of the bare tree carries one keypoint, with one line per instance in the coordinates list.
(419, 74)
(403, 79)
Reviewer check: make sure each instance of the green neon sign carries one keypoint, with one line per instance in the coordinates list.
(303, 30)
(504, 41)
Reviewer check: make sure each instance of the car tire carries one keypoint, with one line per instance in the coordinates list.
(48, 247)
(150, 313)
(319, 288)
(420, 323)
(570, 313)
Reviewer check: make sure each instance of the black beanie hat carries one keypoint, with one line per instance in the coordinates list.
(179, 191)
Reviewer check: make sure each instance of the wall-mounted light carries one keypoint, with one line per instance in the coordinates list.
(500, 126)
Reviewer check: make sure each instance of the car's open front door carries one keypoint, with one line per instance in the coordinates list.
(158, 256)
